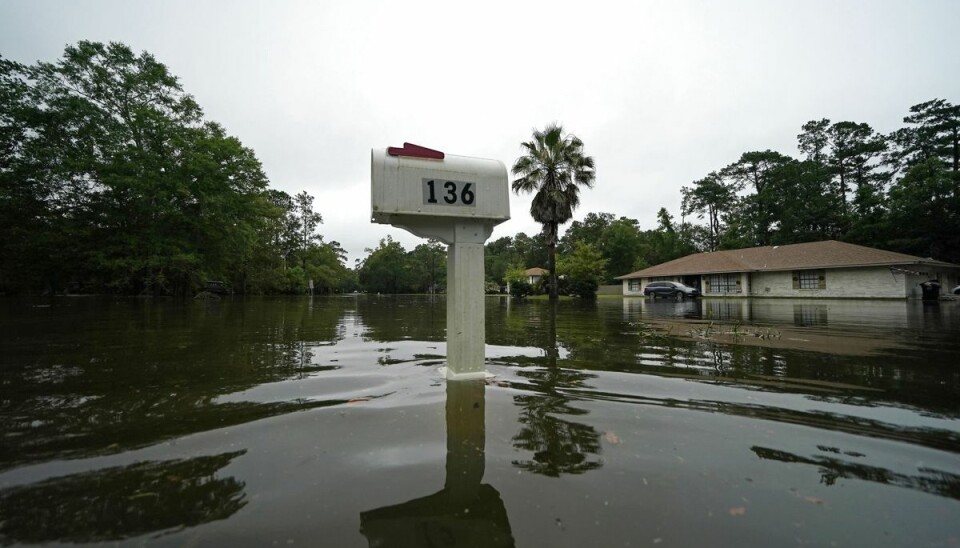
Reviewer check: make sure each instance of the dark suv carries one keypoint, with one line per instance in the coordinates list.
(675, 290)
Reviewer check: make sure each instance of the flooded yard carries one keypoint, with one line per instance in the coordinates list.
(620, 422)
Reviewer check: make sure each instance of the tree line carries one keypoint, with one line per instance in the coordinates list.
(898, 191)
(112, 180)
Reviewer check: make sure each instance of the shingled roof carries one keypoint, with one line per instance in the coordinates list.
(828, 254)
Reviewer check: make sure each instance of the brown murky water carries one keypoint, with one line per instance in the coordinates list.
(324, 422)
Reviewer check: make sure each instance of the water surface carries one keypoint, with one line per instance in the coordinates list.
(624, 422)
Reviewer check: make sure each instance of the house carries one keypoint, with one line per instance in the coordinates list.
(827, 269)
(534, 275)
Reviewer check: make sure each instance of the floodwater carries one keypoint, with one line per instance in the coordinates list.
(623, 422)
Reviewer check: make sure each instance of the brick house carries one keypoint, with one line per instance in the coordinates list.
(829, 269)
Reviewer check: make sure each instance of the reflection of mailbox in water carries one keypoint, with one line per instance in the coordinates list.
(418, 182)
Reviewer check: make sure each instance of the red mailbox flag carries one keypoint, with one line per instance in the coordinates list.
(415, 151)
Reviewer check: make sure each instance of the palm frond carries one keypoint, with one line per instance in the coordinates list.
(554, 167)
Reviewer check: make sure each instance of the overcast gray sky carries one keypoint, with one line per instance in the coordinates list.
(661, 93)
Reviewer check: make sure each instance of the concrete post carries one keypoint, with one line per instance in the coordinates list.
(466, 331)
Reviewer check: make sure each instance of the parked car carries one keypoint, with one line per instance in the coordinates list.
(675, 290)
(956, 290)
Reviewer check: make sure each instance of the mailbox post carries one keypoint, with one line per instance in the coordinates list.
(456, 200)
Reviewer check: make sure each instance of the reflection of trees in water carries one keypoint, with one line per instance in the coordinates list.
(860, 380)
(831, 469)
(605, 339)
(120, 503)
(559, 446)
(101, 376)
(103, 426)
(389, 318)
(915, 435)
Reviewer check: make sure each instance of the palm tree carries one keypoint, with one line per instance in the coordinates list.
(554, 166)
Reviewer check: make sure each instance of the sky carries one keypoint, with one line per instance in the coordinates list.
(660, 93)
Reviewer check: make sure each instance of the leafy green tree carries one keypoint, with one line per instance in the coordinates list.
(805, 208)
(384, 270)
(619, 245)
(934, 133)
(757, 212)
(533, 250)
(324, 266)
(498, 256)
(926, 211)
(129, 189)
(813, 141)
(517, 280)
(428, 267)
(855, 152)
(29, 230)
(282, 227)
(590, 229)
(710, 197)
(307, 221)
(583, 270)
(554, 167)
(668, 241)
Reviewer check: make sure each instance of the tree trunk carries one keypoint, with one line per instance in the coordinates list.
(552, 265)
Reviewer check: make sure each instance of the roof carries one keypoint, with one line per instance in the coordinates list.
(536, 271)
(828, 254)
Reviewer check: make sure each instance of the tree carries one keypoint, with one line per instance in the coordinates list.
(533, 250)
(384, 270)
(590, 229)
(855, 151)
(926, 211)
(619, 245)
(122, 184)
(805, 208)
(554, 167)
(516, 278)
(428, 267)
(709, 197)
(668, 241)
(813, 141)
(307, 222)
(935, 133)
(758, 169)
(583, 270)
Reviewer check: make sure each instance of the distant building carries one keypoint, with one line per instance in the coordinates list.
(827, 269)
(534, 275)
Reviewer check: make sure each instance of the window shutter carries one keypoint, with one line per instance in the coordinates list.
(823, 280)
(796, 281)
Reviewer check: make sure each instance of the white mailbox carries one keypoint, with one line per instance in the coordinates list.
(415, 187)
(457, 200)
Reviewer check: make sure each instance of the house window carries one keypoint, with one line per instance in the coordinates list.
(723, 283)
(809, 279)
(634, 285)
